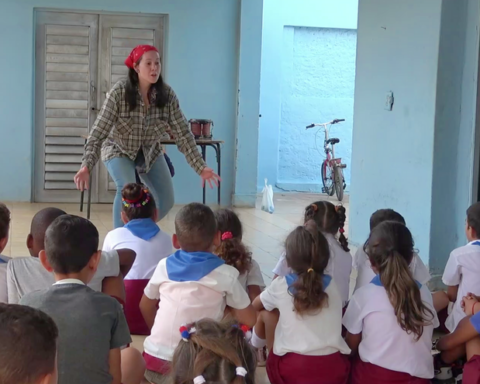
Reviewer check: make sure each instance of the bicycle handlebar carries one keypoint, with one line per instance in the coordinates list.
(310, 126)
(335, 121)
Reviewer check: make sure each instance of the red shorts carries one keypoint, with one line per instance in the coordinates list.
(293, 368)
(133, 293)
(156, 365)
(471, 371)
(366, 373)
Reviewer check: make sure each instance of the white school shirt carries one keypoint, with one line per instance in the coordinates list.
(252, 277)
(186, 302)
(149, 252)
(384, 343)
(365, 273)
(318, 334)
(339, 267)
(462, 269)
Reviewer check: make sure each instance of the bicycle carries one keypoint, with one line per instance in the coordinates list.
(332, 168)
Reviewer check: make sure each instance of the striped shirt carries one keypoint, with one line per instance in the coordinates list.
(120, 132)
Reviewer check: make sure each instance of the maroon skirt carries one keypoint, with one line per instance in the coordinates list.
(156, 365)
(133, 294)
(366, 373)
(471, 371)
(293, 368)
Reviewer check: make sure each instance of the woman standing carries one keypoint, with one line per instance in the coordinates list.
(136, 114)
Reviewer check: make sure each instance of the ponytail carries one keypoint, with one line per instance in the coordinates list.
(307, 254)
(330, 219)
(390, 249)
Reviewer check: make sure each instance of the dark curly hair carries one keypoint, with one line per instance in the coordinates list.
(231, 249)
(329, 218)
(307, 254)
(4, 221)
(138, 193)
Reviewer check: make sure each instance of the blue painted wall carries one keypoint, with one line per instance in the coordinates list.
(418, 158)
(202, 61)
(318, 86)
(310, 23)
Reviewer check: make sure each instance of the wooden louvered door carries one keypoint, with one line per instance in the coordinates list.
(78, 56)
(66, 70)
(118, 36)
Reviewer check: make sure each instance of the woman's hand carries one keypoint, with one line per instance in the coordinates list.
(209, 176)
(82, 178)
(468, 304)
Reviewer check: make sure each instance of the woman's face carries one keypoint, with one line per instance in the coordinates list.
(149, 67)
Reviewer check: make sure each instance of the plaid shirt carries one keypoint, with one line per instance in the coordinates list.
(121, 133)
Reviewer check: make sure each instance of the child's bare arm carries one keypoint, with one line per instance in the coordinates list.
(253, 292)
(114, 361)
(463, 333)
(148, 307)
(114, 286)
(353, 341)
(126, 258)
(247, 316)
(257, 304)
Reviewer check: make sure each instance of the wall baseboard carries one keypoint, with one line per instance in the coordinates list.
(244, 201)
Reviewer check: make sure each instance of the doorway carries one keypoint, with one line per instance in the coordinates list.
(78, 58)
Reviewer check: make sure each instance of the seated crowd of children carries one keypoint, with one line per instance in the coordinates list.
(68, 311)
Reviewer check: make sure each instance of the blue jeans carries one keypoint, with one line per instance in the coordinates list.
(158, 180)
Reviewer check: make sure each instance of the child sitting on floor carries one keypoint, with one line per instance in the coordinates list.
(92, 326)
(213, 352)
(191, 284)
(4, 230)
(390, 321)
(26, 274)
(465, 341)
(463, 268)
(361, 261)
(300, 317)
(331, 221)
(236, 254)
(28, 348)
(141, 234)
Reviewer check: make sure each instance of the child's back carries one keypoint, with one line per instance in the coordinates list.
(4, 231)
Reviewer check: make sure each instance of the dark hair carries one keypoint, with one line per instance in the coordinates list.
(473, 217)
(195, 227)
(232, 250)
(28, 347)
(70, 243)
(329, 218)
(385, 215)
(214, 351)
(41, 221)
(134, 193)
(390, 249)
(307, 254)
(4, 221)
(159, 89)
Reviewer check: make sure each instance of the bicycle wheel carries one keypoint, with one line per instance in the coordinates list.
(327, 179)
(338, 182)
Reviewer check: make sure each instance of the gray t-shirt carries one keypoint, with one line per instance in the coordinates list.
(26, 274)
(90, 324)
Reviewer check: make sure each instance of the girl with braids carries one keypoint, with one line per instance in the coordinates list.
(300, 317)
(141, 234)
(330, 219)
(236, 254)
(390, 321)
(213, 352)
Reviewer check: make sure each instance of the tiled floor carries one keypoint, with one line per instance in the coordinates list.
(264, 233)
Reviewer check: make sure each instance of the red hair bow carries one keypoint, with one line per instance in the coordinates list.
(137, 53)
(227, 236)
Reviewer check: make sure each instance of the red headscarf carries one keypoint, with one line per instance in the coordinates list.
(137, 53)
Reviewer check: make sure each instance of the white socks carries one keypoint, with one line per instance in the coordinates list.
(256, 341)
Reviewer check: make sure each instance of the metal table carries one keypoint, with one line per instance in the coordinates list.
(202, 143)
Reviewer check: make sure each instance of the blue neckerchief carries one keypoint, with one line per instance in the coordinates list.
(376, 281)
(145, 229)
(476, 243)
(292, 278)
(191, 266)
(3, 261)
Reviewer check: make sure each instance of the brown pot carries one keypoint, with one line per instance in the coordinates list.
(196, 128)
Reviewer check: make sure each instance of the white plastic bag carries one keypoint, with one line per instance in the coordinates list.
(267, 199)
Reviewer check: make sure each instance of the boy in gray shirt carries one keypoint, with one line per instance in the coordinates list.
(4, 230)
(92, 326)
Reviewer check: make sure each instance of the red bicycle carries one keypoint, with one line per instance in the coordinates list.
(332, 168)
